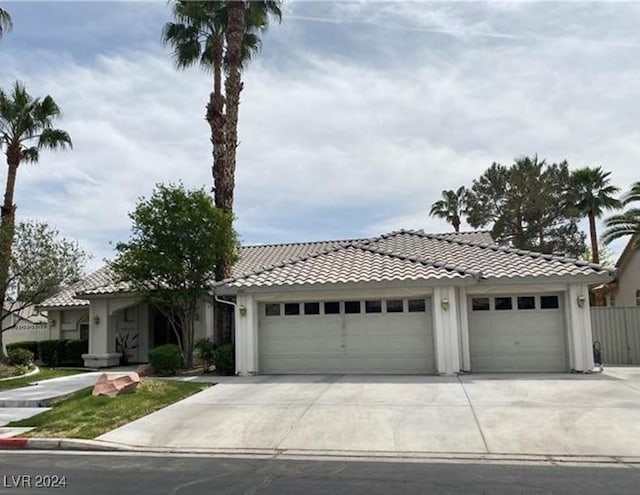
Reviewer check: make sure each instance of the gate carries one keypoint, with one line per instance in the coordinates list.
(618, 331)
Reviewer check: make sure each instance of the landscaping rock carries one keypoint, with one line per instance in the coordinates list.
(144, 370)
(112, 384)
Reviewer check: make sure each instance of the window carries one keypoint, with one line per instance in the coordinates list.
(416, 306)
(332, 308)
(612, 300)
(84, 331)
(526, 302)
(351, 307)
(373, 306)
(394, 306)
(291, 309)
(638, 297)
(503, 303)
(272, 309)
(312, 308)
(129, 315)
(480, 304)
(549, 302)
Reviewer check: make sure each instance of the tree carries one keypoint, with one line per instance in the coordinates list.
(529, 205)
(450, 207)
(178, 239)
(626, 223)
(5, 22)
(41, 264)
(594, 194)
(26, 127)
(220, 35)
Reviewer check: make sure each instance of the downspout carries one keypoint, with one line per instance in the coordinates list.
(235, 306)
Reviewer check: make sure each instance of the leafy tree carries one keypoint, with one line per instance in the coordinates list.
(529, 205)
(5, 22)
(41, 264)
(626, 223)
(594, 194)
(178, 239)
(451, 207)
(26, 127)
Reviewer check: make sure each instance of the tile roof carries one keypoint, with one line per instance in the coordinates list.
(402, 255)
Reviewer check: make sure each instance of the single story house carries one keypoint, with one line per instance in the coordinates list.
(624, 290)
(404, 302)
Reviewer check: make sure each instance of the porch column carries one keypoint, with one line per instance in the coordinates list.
(101, 337)
(463, 318)
(246, 339)
(446, 330)
(579, 318)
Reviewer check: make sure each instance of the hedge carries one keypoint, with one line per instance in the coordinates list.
(55, 352)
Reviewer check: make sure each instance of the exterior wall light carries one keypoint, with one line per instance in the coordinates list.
(96, 320)
(581, 300)
(242, 310)
(445, 304)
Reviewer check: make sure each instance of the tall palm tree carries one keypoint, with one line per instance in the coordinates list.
(200, 36)
(626, 223)
(594, 193)
(26, 128)
(5, 22)
(451, 207)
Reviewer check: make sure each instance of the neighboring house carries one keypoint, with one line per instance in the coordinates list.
(27, 324)
(624, 290)
(405, 302)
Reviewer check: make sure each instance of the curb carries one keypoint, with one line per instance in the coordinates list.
(34, 371)
(79, 445)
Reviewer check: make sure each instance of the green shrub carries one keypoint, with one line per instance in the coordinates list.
(74, 349)
(166, 359)
(29, 345)
(20, 357)
(205, 351)
(51, 352)
(224, 359)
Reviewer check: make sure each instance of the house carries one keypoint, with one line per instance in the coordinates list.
(24, 323)
(404, 302)
(624, 290)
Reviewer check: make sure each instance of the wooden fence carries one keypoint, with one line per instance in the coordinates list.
(618, 331)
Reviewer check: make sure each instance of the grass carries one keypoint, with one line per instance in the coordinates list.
(82, 415)
(45, 373)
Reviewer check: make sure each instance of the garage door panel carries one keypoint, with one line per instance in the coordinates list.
(517, 340)
(347, 343)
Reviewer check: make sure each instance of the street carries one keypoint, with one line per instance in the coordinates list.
(97, 473)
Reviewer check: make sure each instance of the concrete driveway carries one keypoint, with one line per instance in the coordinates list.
(551, 414)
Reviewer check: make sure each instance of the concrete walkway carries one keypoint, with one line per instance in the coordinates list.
(545, 414)
(40, 394)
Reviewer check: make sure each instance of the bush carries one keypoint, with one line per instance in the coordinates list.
(29, 345)
(224, 359)
(74, 351)
(20, 357)
(166, 359)
(205, 350)
(51, 352)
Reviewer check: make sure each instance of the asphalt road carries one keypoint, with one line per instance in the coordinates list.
(98, 474)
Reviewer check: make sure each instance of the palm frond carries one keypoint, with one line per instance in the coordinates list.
(31, 155)
(6, 24)
(54, 139)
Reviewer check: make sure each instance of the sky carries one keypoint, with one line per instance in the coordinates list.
(354, 117)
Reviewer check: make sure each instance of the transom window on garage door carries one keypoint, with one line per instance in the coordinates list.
(515, 303)
(350, 307)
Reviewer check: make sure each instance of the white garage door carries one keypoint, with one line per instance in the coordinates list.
(356, 336)
(517, 333)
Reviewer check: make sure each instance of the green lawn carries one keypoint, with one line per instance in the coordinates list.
(44, 374)
(81, 415)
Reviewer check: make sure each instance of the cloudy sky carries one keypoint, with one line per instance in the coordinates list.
(353, 119)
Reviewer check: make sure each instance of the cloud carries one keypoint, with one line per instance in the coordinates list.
(334, 143)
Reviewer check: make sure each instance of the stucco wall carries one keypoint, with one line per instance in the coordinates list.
(629, 282)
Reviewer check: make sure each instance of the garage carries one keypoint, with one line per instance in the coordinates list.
(517, 333)
(347, 336)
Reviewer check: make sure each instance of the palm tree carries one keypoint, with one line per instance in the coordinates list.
(626, 223)
(594, 193)
(26, 127)
(5, 22)
(198, 37)
(451, 206)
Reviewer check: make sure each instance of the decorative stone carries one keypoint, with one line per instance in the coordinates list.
(112, 384)
(144, 370)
